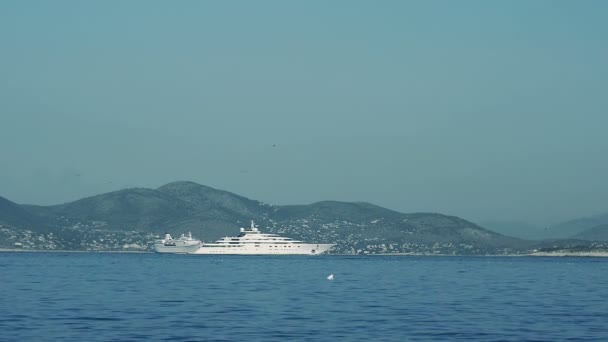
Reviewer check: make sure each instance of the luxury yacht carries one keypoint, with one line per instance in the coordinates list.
(252, 241)
(184, 244)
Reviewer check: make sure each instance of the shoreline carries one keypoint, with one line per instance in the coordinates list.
(14, 250)
(594, 254)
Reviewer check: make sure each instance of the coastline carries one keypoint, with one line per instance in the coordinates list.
(594, 254)
(14, 250)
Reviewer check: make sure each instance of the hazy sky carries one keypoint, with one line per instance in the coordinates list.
(489, 110)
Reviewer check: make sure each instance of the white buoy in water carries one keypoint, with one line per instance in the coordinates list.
(330, 277)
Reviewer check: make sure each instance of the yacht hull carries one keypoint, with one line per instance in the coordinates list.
(294, 249)
(176, 249)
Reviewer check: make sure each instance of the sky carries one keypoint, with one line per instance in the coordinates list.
(488, 110)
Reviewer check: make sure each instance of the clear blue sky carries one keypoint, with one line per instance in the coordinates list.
(489, 110)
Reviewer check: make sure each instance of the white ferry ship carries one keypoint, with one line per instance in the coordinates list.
(184, 244)
(252, 241)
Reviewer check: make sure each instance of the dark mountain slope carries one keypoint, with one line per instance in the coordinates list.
(201, 198)
(357, 226)
(13, 214)
(129, 209)
(356, 211)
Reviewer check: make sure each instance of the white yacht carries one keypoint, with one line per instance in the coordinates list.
(183, 244)
(252, 241)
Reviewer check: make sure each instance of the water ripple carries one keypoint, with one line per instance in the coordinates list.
(130, 297)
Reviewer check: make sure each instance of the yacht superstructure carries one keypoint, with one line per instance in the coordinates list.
(252, 241)
(184, 244)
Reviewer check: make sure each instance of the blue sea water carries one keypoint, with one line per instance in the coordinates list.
(151, 297)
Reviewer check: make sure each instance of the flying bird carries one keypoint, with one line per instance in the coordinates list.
(330, 277)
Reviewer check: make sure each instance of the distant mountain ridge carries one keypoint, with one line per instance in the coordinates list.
(575, 227)
(597, 233)
(517, 229)
(139, 214)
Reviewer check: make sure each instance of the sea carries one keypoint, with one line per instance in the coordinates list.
(153, 297)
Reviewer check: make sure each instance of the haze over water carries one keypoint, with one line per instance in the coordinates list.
(102, 297)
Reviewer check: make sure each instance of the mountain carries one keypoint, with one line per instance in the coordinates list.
(137, 209)
(13, 214)
(597, 233)
(517, 229)
(574, 227)
(134, 217)
(363, 227)
(202, 198)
